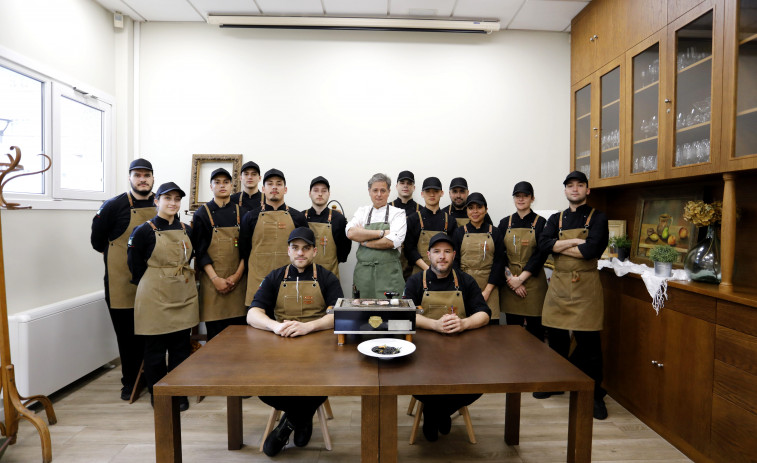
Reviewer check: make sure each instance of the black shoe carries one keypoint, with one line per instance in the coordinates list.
(278, 438)
(126, 392)
(445, 424)
(546, 395)
(302, 434)
(430, 427)
(600, 410)
(183, 404)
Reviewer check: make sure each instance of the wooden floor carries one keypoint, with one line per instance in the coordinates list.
(94, 425)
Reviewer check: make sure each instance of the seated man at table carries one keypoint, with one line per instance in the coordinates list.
(452, 303)
(292, 301)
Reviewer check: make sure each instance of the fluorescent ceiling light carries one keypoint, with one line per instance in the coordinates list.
(386, 24)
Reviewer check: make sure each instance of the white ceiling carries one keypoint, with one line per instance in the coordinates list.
(543, 15)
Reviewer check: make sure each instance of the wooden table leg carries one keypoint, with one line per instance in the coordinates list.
(512, 418)
(580, 422)
(369, 429)
(388, 429)
(167, 429)
(234, 422)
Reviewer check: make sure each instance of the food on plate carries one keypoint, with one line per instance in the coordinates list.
(386, 350)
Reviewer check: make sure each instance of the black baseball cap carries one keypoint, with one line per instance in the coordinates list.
(140, 164)
(523, 187)
(318, 180)
(250, 165)
(432, 183)
(274, 173)
(406, 175)
(477, 198)
(458, 182)
(170, 186)
(439, 237)
(576, 175)
(219, 171)
(302, 233)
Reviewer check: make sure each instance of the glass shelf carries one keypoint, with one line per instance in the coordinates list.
(614, 148)
(583, 117)
(612, 103)
(748, 39)
(583, 157)
(647, 87)
(694, 65)
(746, 111)
(645, 140)
(692, 127)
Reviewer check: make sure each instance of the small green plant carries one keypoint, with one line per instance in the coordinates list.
(621, 242)
(663, 253)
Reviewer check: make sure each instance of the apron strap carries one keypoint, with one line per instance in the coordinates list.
(210, 216)
(262, 201)
(490, 229)
(330, 211)
(306, 213)
(241, 195)
(588, 219)
(533, 225)
(237, 205)
(425, 286)
(454, 278)
(420, 217)
(446, 221)
(559, 225)
(149, 222)
(510, 223)
(286, 273)
(315, 273)
(417, 207)
(465, 228)
(131, 202)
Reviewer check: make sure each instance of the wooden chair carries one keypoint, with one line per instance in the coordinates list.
(416, 423)
(324, 413)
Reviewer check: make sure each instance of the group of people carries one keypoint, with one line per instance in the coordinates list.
(262, 263)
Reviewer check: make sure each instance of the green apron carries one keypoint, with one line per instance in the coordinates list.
(377, 270)
(520, 244)
(438, 303)
(301, 301)
(476, 259)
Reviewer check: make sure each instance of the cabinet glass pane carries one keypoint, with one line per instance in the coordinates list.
(646, 93)
(693, 92)
(746, 90)
(583, 130)
(610, 124)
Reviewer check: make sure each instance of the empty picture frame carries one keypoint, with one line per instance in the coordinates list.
(202, 166)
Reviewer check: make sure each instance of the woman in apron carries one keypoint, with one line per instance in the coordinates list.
(166, 305)
(522, 298)
(481, 253)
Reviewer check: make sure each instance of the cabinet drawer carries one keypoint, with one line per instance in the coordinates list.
(733, 431)
(736, 349)
(736, 385)
(696, 305)
(738, 317)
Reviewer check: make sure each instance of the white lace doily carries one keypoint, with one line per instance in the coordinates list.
(656, 286)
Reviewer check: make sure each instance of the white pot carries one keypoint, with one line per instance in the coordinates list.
(663, 269)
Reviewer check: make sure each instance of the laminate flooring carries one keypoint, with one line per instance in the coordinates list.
(94, 425)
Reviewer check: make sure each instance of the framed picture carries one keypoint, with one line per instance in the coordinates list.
(202, 166)
(617, 228)
(659, 220)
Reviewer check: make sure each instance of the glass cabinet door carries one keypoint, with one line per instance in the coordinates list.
(693, 52)
(609, 124)
(583, 130)
(746, 87)
(644, 110)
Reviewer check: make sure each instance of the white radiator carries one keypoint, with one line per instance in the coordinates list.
(54, 345)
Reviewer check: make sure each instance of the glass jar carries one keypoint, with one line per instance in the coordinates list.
(703, 261)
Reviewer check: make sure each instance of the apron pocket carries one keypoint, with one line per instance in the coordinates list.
(561, 286)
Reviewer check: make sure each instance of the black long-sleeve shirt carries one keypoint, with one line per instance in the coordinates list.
(596, 241)
(142, 244)
(537, 259)
(202, 230)
(113, 218)
(474, 300)
(249, 203)
(338, 225)
(266, 295)
(250, 220)
(497, 273)
(409, 207)
(432, 221)
(456, 213)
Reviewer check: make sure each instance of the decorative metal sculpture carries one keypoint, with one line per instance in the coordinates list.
(14, 165)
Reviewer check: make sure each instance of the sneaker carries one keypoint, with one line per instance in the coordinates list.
(430, 427)
(126, 393)
(600, 410)
(183, 404)
(445, 424)
(278, 438)
(546, 395)
(302, 434)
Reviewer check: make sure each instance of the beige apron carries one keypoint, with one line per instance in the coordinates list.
(224, 250)
(324, 240)
(166, 299)
(269, 248)
(437, 303)
(460, 221)
(520, 244)
(301, 301)
(476, 259)
(425, 238)
(120, 289)
(574, 300)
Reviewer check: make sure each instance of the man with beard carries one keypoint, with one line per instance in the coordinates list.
(328, 226)
(111, 228)
(577, 237)
(458, 194)
(249, 198)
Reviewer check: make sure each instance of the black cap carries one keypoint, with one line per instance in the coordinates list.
(477, 198)
(140, 164)
(432, 183)
(170, 186)
(406, 175)
(318, 180)
(523, 187)
(302, 233)
(250, 165)
(441, 236)
(274, 173)
(458, 182)
(576, 175)
(219, 171)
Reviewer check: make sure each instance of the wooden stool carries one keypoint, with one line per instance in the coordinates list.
(324, 413)
(414, 432)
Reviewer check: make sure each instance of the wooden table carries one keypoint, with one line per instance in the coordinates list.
(244, 361)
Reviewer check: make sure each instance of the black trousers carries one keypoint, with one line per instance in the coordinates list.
(445, 404)
(131, 347)
(299, 409)
(178, 346)
(216, 326)
(533, 324)
(587, 356)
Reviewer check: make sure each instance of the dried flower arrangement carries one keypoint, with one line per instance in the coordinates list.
(703, 214)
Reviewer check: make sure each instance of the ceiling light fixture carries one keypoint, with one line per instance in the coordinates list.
(381, 24)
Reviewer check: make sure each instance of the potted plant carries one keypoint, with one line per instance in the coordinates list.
(663, 256)
(622, 244)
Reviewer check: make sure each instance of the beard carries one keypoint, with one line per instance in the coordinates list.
(141, 189)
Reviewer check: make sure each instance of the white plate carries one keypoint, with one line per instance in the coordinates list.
(406, 347)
